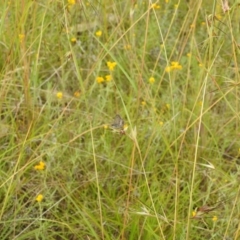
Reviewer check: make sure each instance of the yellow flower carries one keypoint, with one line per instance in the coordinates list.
(105, 126)
(127, 47)
(40, 166)
(21, 37)
(98, 33)
(39, 198)
(200, 64)
(111, 65)
(77, 94)
(168, 69)
(100, 80)
(194, 214)
(161, 123)
(218, 16)
(176, 65)
(155, 6)
(176, 6)
(125, 127)
(59, 95)
(73, 40)
(215, 218)
(189, 54)
(192, 26)
(173, 66)
(168, 106)
(203, 23)
(143, 103)
(151, 80)
(108, 78)
(166, 1)
(71, 2)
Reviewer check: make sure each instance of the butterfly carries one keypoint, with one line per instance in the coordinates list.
(118, 124)
(200, 211)
(205, 209)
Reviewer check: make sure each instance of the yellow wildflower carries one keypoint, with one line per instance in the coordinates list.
(111, 65)
(105, 126)
(189, 54)
(59, 95)
(151, 80)
(143, 103)
(71, 2)
(100, 80)
(161, 123)
(98, 33)
(200, 64)
(168, 106)
(166, 1)
(77, 94)
(40, 166)
(39, 198)
(21, 37)
(215, 218)
(173, 66)
(73, 40)
(176, 65)
(155, 6)
(127, 47)
(125, 127)
(168, 69)
(218, 16)
(108, 78)
(194, 214)
(176, 6)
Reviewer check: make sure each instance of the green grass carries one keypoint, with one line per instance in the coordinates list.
(181, 148)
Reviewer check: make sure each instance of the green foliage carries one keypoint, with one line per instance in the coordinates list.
(169, 69)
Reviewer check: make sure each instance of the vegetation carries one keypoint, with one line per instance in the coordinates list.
(119, 119)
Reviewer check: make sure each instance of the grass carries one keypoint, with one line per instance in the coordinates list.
(65, 174)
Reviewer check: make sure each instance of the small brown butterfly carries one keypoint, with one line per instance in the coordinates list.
(200, 211)
(118, 124)
(205, 209)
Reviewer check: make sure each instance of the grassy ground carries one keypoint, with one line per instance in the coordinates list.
(169, 69)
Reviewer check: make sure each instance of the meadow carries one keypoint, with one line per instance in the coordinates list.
(119, 119)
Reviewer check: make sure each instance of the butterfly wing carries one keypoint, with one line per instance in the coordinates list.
(118, 122)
